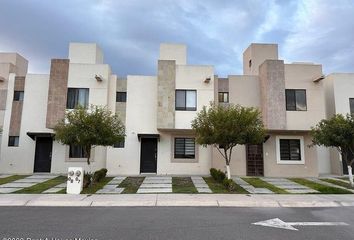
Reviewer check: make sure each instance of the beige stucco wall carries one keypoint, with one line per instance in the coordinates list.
(192, 77)
(89, 53)
(177, 52)
(237, 163)
(258, 53)
(301, 76)
(244, 90)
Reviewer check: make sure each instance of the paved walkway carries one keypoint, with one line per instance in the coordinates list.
(249, 188)
(56, 189)
(289, 186)
(200, 184)
(319, 181)
(112, 186)
(25, 183)
(156, 184)
(152, 200)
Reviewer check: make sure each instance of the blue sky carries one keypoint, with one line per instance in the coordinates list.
(215, 31)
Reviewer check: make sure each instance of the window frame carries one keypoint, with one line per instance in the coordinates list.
(19, 96)
(223, 97)
(185, 108)
(124, 98)
(183, 156)
(302, 150)
(14, 142)
(76, 103)
(295, 99)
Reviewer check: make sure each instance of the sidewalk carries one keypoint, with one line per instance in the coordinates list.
(156, 200)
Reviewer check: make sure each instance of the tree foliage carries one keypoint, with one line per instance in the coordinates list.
(87, 128)
(337, 132)
(227, 126)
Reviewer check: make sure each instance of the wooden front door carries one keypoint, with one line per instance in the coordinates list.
(254, 158)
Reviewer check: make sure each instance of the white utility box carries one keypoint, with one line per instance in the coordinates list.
(75, 180)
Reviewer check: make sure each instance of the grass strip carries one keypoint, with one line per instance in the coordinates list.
(131, 184)
(41, 187)
(259, 183)
(183, 185)
(11, 178)
(217, 187)
(338, 182)
(96, 186)
(319, 187)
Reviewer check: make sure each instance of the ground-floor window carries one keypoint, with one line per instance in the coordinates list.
(76, 152)
(13, 141)
(290, 150)
(184, 148)
(119, 144)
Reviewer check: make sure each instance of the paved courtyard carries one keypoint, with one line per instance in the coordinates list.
(156, 184)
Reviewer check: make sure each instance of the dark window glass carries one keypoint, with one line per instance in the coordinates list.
(76, 97)
(186, 100)
(13, 141)
(295, 100)
(121, 97)
(119, 144)
(184, 148)
(290, 149)
(76, 152)
(351, 103)
(223, 97)
(18, 95)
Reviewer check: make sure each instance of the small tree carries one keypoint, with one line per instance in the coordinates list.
(88, 128)
(337, 132)
(224, 127)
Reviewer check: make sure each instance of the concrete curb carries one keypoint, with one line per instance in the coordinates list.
(177, 200)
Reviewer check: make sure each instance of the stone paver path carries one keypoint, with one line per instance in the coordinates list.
(25, 182)
(112, 186)
(249, 188)
(289, 186)
(56, 188)
(319, 181)
(200, 184)
(156, 184)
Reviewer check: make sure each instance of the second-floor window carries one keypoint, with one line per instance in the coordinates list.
(18, 95)
(295, 99)
(223, 97)
(351, 104)
(13, 141)
(121, 97)
(186, 100)
(76, 97)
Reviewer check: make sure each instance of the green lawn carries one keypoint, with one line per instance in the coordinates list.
(11, 178)
(259, 183)
(183, 185)
(131, 184)
(338, 182)
(217, 187)
(96, 186)
(319, 187)
(41, 187)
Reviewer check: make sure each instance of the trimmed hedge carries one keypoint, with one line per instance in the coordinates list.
(99, 175)
(220, 177)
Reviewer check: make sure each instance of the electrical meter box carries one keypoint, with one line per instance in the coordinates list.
(75, 180)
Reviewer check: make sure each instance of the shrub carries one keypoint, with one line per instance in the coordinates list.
(229, 184)
(99, 175)
(218, 175)
(87, 179)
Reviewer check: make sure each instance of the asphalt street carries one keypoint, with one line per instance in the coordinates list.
(170, 223)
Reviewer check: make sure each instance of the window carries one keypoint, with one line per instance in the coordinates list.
(223, 97)
(121, 97)
(76, 97)
(290, 150)
(351, 104)
(295, 100)
(76, 152)
(184, 148)
(18, 95)
(13, 141)
(119, 144)
(186, 100)
(250, 63)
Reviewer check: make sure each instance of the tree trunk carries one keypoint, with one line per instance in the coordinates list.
(350, 175)
(228, 171)
(88, 154)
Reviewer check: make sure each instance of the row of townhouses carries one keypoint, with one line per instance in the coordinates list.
(157, 112)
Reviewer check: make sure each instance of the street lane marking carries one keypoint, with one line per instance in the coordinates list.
(278, 223)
